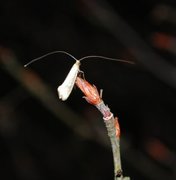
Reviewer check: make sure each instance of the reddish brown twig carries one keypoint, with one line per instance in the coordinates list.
(92, 96)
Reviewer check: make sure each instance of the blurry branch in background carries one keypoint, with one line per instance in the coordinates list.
(159, 151)
(164, 42)
(164, 13)
(104, 15)
(7, 106)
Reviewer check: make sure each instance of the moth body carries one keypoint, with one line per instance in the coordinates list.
(66, 87)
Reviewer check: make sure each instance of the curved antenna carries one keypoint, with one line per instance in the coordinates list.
(53, 52)
(108, 58)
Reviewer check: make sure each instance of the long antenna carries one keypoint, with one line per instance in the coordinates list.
(108, 58)
(53, 52)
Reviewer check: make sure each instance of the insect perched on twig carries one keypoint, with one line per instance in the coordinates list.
(66, 87)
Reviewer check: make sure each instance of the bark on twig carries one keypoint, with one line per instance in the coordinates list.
(113, 129)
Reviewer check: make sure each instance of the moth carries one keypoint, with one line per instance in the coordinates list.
(65, 89)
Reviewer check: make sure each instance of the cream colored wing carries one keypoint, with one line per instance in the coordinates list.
(66, 87)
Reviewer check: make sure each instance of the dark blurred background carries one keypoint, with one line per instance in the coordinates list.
(42, 138)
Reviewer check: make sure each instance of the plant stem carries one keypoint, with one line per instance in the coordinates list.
(115, 143)
(92, 96)
(114, 135)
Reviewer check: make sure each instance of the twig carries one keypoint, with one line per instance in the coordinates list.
(112, 125)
